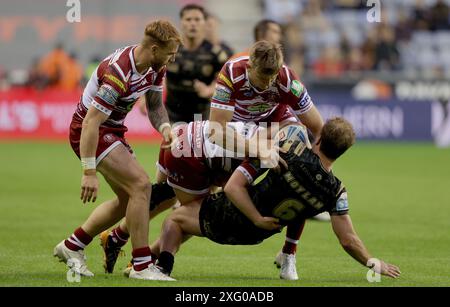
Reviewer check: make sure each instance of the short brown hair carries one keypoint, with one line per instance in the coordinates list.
(266, 57)
(190, 7)
(161, 32)
(261, 28)
(336, 137)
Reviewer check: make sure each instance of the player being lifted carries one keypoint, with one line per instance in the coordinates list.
(192, 167)
(248, 214)
(97, 137)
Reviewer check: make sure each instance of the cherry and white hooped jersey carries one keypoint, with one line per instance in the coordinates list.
(194, 147)
(116, 85)
(234, 92)
(193, 139)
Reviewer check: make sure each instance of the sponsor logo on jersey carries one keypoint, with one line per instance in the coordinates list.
(175, 176)
(342, 203)
(108, 138)
(173, 68)
(108, 94)
(188, 65)
(305, 100)
(130, 106)
(260, 107)
(207, 70)
(222, 57)
(226, 80)
(296, 88)
(116, 81)
(222, 95)
(142, 83)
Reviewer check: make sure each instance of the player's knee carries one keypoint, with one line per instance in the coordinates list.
(177, 217)
(120, 204)
(170, 225)
(142, 186)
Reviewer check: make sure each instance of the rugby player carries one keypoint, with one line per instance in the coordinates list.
(260, 88)
(248, 214)
(192, 167)
(191, 78)
(97, 138)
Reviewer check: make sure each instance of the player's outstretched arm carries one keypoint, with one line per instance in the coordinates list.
(236, 191)
(352, 244)
(313, 121)
(221, 134)
(157, 114)
(218, 124)
(88, 147)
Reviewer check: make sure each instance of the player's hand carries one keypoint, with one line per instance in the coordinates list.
(268, 223)
(203, 90)
(89, 187)
(389, 270)
(385, 269)
(168, 137)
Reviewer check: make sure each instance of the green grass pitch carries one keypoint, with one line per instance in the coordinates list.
(399, 198)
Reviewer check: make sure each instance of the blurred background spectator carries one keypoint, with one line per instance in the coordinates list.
(60, 69)
(282, 11)
(294, 47)
(386, 51)
(212, 33)
(340, 55)
(322, 38)
(439, 16)
(91, 66)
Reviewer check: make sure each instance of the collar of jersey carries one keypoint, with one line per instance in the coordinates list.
(133, 64)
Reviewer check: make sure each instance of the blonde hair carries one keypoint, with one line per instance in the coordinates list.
(266, 57)
(161, 32)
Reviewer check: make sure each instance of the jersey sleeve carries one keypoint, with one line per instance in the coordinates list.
(341, 207)
(111, 88)
(251, 169)
(222, 98)
(295, 93)
(158, 84)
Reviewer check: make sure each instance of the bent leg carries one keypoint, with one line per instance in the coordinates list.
(161, 208)
(293, 233)
(178, 227)
(108, 213)
(183, 221)
(121, 169)
(186, 198)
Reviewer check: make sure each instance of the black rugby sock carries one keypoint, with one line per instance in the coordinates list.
(165, 262)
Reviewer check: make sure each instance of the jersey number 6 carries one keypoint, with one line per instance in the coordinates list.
(288, 209)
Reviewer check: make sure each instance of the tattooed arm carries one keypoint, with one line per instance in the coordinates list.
(157, 114)
(156, 111)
